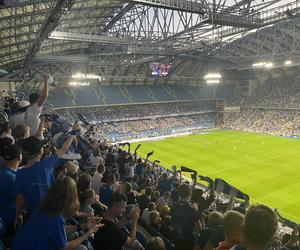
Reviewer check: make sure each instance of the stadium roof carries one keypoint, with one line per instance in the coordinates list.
(118, 39)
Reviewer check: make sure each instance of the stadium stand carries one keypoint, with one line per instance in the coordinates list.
(138, 94)
(147, 119)
(160, 93)
(83, 83)
(108, 95)
(98, 178)
(180, 92)
(85, 96)
(271, 108)
(59, 98)
(113, 95)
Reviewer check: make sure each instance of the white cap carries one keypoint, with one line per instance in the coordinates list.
(23, 104)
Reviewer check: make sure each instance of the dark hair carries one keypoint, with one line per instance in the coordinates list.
(12, 152)
(111, 178)
(32, 146)
(148, 191)
(115, 198)
(34, 97)
(84, 182)
(4, 143)
(185, 191)
(61, 199)
(260, 225)
(197, 195)
(5, 126)
(127, 188)
(100, 168)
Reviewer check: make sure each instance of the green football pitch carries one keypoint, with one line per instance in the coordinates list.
(265, 167)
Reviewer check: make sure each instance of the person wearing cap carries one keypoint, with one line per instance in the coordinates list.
(12, 156)
(35, 178)
(18, 118)
(33, 112)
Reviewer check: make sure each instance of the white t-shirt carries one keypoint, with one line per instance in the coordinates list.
(96, 182)
(32, 118)
(16, 119)
(145, 216)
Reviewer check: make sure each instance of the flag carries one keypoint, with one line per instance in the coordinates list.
(225, 188)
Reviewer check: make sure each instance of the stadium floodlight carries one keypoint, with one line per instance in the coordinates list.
(258, 64)
(79, 83)
(212, 76)
(269, 65)
(213, 81)
(288, 62)
(86, 76)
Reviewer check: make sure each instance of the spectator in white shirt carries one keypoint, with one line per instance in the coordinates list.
(33, 112)
(97, 177)
(146, 212)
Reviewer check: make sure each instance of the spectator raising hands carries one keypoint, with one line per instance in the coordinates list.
(46, 227)
(33, 112)
(36, 177)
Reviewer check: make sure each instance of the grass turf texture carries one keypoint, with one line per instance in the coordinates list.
(265, 167)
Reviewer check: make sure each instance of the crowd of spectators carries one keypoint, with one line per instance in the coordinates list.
(67, 190)
(274, 122)
(145, 120)
(272, 108)
(274, 93)
(280, 93)
(108, 113)
(157, 126)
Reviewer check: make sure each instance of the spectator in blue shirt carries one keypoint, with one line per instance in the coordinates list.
(139, 169)
(35, 178)
(165, 184)
(45, 230)
(185, 219)
(107, 189)
(13, 157)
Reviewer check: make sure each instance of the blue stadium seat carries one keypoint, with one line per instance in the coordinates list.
(223, 92)
(113, 95)
(180, 92)
(160, 93)
(59, 99)
(138, 94)
(85, 96)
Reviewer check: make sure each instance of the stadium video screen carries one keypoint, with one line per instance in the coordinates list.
(160, 69)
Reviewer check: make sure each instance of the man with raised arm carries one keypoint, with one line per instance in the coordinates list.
(33, 112)
(36, 176)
